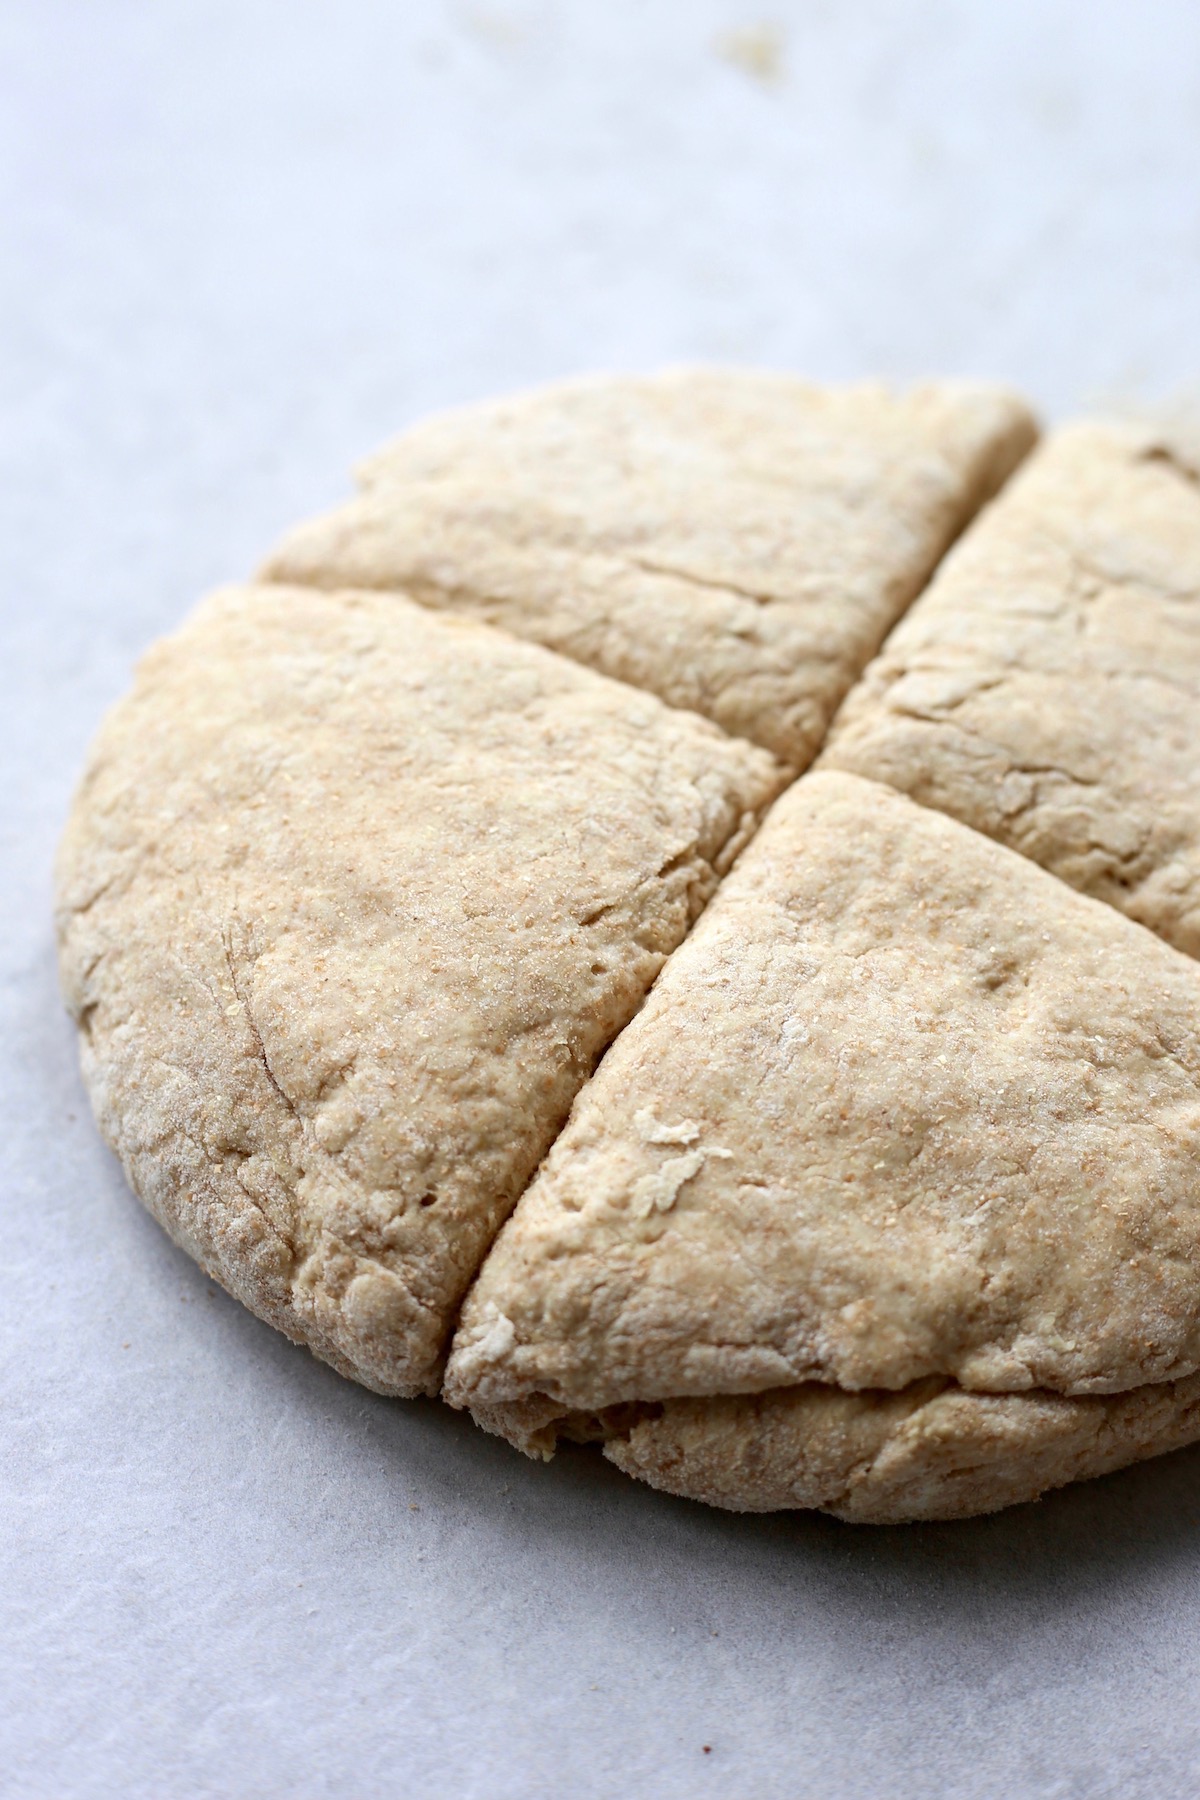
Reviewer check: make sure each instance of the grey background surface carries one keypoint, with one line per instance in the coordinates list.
(242, 241)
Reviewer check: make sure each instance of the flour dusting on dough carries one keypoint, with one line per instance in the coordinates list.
(653, 1131)
(658, 1191)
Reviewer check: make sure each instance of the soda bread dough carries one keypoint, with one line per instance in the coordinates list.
(903, 1106)
(352, 899)
(737, 542)
(883, 1202)
(1045, 689)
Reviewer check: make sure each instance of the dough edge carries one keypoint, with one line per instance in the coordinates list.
(927, 1452)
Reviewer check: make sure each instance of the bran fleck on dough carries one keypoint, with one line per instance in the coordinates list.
(736, 542)
(1045, 687)
(351, 900)
(903, 1106)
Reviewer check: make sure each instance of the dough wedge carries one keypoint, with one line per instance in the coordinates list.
(734, 541)
(904, 1110)
(351, 900)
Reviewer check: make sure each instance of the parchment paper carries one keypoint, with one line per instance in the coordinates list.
(242, 242)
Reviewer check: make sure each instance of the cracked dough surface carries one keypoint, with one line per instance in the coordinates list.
(1045, 688)
(735, 541)
(351, 900)
(902, 1106)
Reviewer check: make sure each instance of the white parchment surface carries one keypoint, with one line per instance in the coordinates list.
(241, 241)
